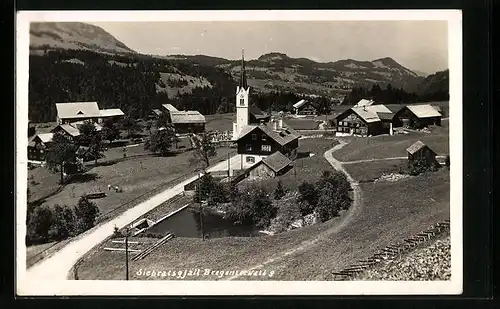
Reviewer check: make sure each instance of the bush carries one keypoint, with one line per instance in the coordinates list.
(86, 213)
(308, 198)
(255, 208)
(39, 224)
(286, 215)
(420, 166)
(334, 196)
(63, 223)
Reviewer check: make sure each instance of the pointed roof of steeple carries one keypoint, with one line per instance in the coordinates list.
(243, 78)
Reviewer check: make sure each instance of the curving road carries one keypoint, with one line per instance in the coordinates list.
(354, 209)
(58, 266)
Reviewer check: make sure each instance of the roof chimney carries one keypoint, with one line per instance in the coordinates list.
(364, 107)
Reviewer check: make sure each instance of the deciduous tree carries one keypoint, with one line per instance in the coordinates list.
(60, 152)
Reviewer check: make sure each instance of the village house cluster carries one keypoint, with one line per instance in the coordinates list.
(70, 116)
(367, 118)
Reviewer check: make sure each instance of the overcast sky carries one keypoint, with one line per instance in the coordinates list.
(418, 45)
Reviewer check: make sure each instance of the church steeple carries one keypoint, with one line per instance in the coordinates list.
(243, 78)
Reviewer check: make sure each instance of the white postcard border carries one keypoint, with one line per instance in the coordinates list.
(30, 286)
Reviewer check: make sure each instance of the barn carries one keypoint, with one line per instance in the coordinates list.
(417, 116)
(114, 114)
(419, 151)
(184, 121)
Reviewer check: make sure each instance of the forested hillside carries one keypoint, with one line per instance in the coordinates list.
(127, 82)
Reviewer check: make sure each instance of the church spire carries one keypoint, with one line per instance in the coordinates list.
(243, 78)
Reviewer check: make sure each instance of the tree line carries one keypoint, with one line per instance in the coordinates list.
(391, 95)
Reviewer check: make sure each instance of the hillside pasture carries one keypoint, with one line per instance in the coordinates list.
(369, 171)
(169, 80)
(220, 122)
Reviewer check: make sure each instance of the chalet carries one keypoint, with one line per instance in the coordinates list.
(81, 111)
(417, 116)
(184, 121)
(272, 166)
(72, 130)
(115, 114)
(419, 151)
(365, 120)
(304, 108)
(37, 146)
(77, 111)
(257, 142)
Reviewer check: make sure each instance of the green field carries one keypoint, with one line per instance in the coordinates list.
(135, 176)
(385, 146)
(369, 171)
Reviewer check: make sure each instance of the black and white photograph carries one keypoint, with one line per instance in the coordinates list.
(239, 152)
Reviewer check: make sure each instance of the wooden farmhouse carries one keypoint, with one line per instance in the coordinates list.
(419, 151)
(304, 108)
(365, 121)
(37, 146)
(417, 116)
(80, 111)
(257, 142)
(184, 121)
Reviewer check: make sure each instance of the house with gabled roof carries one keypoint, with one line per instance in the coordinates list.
(417, 116)
(272, 166)
(37, 146)
(304, 108)
(182, 121)
(420, 151)
(365, 120)
(71, 112)
(76, 111)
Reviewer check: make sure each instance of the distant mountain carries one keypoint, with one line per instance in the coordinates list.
(421, 73)
(73, 35)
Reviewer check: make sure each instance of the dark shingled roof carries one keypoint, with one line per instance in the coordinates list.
(282, 136)
(277, 161)
(257, 112)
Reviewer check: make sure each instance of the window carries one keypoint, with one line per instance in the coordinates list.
(250, 159)
(264, 137)
(254, 137)
(340, 123)
(266, 148)
(248, 147)
(242, 101)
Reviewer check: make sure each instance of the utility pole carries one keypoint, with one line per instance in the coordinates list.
(201, 207)
(126, 253)
(229, 165)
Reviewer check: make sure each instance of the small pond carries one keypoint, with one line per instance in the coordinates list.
(186, 223)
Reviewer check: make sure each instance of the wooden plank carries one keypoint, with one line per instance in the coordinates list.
(121, 249)
(123, 241)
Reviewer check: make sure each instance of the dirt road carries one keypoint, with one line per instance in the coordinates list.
(355, 208)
